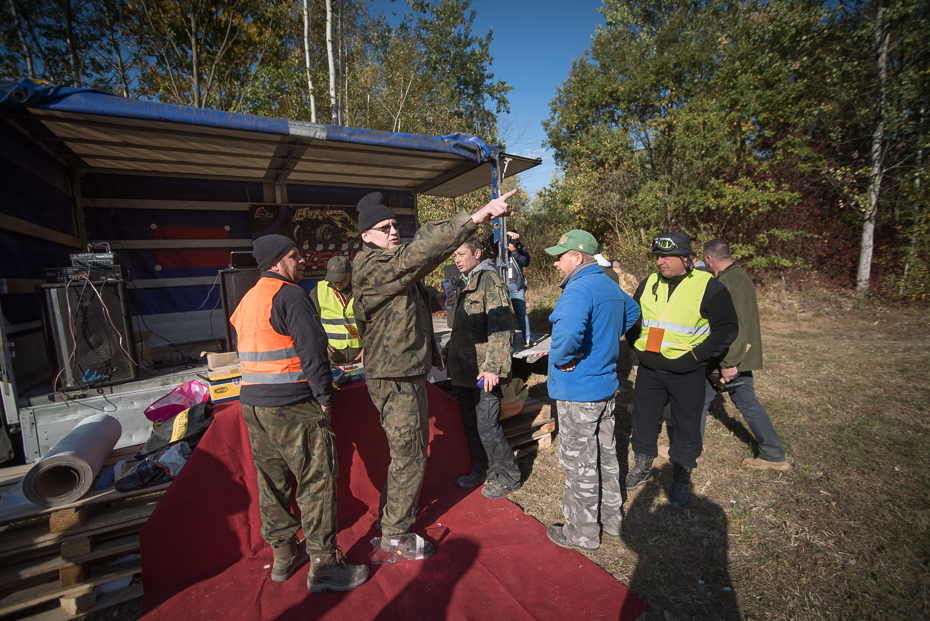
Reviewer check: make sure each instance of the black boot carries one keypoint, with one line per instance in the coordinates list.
(681, 486)
(641, 472)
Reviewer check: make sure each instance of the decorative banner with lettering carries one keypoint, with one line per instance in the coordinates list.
(319, 231)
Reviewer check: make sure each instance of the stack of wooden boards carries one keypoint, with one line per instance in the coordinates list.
(63, 553)
(531, 429)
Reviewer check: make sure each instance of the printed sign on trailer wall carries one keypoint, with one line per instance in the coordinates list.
(319, 231)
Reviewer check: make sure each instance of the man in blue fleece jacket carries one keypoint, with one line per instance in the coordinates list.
(588, 322)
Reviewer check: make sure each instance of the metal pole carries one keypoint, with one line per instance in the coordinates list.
(500, 224)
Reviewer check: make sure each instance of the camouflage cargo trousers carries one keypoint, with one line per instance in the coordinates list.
(405, 418)
(293, 451)
(588, 457)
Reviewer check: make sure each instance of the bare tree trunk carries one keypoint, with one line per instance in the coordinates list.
(69, 39)
(195, 59)
(341, 63)
(117, 52)
(875, 174)
(333, 106)
(915, 204)
(306, 9)
(20, 31)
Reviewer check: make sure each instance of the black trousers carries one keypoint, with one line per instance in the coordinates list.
(488, 446)
(685, 396)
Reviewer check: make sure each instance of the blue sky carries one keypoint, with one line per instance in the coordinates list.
(533, 47)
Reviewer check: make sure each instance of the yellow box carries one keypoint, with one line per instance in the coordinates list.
(227, 389)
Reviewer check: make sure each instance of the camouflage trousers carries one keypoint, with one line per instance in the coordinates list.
(588, 457)
(405, 418)
(293, 451)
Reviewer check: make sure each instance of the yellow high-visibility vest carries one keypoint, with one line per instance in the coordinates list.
(679, 316)
(338, 319)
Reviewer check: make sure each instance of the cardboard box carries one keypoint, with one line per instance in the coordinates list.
(224, 374)
(223, 390)
(223, 366)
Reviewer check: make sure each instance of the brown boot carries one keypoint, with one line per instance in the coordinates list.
(756, 463)
(329, 572)
(288, 559)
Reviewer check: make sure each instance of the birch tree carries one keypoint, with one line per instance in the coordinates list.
(306, 41)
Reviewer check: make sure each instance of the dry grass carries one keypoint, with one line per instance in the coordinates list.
(845, 535)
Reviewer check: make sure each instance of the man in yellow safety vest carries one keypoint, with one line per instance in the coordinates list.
(332, 299)
(687, 323)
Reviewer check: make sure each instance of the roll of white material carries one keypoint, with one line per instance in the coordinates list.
(69, 469)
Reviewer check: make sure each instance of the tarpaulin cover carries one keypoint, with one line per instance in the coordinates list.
(31, 94)
(203, 557)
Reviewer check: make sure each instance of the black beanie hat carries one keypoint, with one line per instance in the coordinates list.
(372, 210)
(270, 249)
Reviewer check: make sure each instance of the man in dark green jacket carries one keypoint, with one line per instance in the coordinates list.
(393, 314)
(479, 356)
(742, 358)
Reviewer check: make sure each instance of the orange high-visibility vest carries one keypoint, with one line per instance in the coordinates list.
(266, 356)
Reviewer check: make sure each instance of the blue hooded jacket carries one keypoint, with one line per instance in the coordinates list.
(590, 318)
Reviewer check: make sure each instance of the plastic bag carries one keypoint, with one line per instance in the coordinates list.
(144, 474)
(189, 426)
(174, 458)
(394, 549)
(181, 398)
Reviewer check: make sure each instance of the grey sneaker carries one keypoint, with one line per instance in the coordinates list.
(472, 479)
(330, 572)
(495, 490)
(556, 536)
(287, 560)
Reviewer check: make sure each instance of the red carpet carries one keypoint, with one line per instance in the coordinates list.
(203, 558)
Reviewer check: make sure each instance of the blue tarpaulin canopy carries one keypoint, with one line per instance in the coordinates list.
(93, 131)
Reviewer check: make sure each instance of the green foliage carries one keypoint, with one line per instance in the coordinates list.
(751, 122)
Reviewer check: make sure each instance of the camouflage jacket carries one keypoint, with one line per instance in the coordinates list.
(393, 308)
(482, 329)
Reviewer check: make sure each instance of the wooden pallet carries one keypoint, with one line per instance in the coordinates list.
(531, 429)
(64, 552)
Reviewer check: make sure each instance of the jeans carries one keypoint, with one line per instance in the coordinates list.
(488, 446)
(518, 301)
(744, 398)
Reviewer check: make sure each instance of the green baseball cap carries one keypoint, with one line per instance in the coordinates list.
(576, 239)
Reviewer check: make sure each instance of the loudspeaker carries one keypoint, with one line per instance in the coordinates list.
(88, 333)
(234, 284)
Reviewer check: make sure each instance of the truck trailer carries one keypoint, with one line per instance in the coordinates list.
(127, 228)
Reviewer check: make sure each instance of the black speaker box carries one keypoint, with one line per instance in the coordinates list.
(234, 284)
(88, 333)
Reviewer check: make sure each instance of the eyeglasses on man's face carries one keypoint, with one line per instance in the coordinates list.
(386, 228)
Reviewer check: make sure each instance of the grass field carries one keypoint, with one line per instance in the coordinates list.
(844, 535)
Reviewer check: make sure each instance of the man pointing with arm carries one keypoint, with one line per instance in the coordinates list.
(393, 314)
